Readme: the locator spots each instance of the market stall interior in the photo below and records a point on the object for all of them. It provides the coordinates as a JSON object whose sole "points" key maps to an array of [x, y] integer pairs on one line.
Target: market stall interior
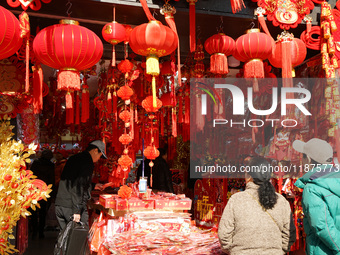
{"points": [[133, 74]]}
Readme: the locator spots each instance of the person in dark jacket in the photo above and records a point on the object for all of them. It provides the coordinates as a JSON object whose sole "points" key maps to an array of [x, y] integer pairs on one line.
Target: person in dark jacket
{"points": [[43, 168], [76, 184], [320, 197], [161, 174]]}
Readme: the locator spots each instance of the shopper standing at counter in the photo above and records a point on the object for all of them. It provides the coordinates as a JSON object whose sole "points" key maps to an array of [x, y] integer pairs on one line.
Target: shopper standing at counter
{"points": [[76, 184], [257, 220]]}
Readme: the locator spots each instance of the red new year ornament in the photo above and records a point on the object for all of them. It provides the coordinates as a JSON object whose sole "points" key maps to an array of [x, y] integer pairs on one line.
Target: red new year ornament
{"points": [[10, 40], [153, 40], [114, 33], [151, 152], [125, 116], [219, 46], [147, 104], [125, 162], [125, 139], [125, 92], [125, 66], [253, 48], [69, 48]]}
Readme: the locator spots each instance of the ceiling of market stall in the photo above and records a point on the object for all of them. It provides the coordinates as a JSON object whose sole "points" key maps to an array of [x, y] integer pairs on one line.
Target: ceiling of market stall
{"points": [[210, 15]]}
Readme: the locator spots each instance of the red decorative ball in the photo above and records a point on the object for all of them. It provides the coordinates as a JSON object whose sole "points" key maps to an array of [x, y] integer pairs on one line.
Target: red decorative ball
{"points": [[147, 104], [10, 40], [151, 152], [125, 139], [125, 92]]}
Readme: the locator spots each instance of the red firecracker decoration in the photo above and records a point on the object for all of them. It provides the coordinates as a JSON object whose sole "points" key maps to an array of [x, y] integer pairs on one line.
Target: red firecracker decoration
{"points": [[10, 40], [125, 139], [192, 22], [125, 92], [253, 48], [125, 162], [288, 48], [147, 104], [114, 33], [219, 46], [69, 48], [153, 40]]}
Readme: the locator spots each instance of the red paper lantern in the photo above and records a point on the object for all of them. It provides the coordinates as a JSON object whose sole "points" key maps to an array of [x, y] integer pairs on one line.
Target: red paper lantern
{"points": [[125, 192], [253, 48], [219, 46], [128, 30], [150, 152], [153, 40], [10, 40], [297, 49], [69, 48], [147, 104], [125, 139], [114, 33], [125, 92], [125, 116], [166, 99], [125, 66], [125, 162]]}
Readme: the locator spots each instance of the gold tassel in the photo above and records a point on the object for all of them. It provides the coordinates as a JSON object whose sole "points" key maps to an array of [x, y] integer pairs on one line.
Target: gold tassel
{"points": [[152, 65], [154, 102]]}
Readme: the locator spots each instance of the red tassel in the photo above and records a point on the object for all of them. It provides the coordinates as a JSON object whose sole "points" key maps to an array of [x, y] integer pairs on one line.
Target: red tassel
{"points": [[180, 109], [37, 89], [77, 122], [85, 104], [113, 63], [69, 103], [27, 79], [263, 24], [162, 123], [146, 10], [192, 17], [287, 66], [169, 18], [109, 103], [187, 110], [68, 80], [131, 122], [151, 177], [174, 123], [236, 5], [219, 63], [254, 69]]}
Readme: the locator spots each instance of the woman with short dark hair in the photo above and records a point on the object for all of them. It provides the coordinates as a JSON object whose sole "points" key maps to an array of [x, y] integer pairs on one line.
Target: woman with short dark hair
{"points": [[258, 220]]}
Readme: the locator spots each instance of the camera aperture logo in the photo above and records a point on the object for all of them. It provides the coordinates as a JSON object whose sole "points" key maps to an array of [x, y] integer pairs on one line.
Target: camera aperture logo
{"points": [[239, 101]]}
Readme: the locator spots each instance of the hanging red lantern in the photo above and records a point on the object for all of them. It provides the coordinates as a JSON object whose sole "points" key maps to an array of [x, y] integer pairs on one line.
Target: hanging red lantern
{"points": [[153, 40], [69, 48], [147, 104], [125, 139], [10, 39], [297, 50], [151, 153], [253, 48], [125, 116], [125, 162], [219, 46], [114, 33], [125, 92]]}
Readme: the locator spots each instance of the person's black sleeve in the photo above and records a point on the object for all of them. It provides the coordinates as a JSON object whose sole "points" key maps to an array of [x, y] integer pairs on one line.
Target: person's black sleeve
{"points": [[168, 176]]}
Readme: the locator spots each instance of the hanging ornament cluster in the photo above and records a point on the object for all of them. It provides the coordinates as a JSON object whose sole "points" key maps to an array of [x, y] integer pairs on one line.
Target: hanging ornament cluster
{"points": [[114, 33], [252, 48], [199, 57], [219, 46], [328, 28], [69, 48]]}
